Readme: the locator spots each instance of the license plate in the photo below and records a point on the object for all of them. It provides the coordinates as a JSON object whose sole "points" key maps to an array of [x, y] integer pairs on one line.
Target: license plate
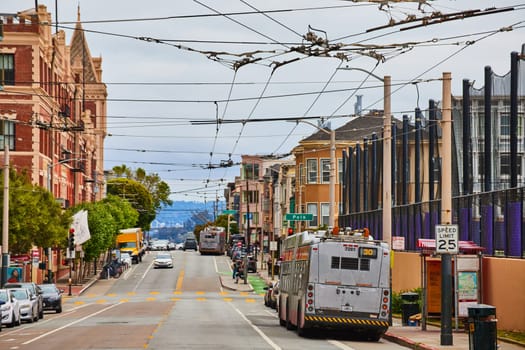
{"points": [[346, 308]]}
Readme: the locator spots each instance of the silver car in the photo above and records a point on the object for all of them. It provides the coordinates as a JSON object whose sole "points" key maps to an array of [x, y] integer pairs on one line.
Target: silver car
{"points": [[163, 260], [27, 303], [10, 309]]}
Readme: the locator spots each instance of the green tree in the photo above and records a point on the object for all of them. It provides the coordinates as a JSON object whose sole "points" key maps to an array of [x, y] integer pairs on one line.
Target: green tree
{"points": [[159, 190], [122, 211], [35, 218], [222, 221], [138, 196]]}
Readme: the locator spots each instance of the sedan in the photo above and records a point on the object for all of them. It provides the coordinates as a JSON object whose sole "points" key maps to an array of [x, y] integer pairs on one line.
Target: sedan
{"points": [[10, 310], [163, 260], [28, 304], [52, 297]]}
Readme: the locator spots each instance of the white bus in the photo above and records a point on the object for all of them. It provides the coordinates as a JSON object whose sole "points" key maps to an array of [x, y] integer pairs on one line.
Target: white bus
{"points": [[335, 282]]}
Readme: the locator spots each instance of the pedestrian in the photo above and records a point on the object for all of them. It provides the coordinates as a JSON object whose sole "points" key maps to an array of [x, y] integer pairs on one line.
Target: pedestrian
{"points": [[234, 268]]}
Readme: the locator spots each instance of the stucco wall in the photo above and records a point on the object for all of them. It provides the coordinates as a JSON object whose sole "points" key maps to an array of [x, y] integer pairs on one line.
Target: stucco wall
{"points": [[406, 271], [503, 285]]}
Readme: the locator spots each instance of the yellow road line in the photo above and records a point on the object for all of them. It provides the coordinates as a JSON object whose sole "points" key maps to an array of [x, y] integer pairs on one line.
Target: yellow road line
{"points": [[179, 281]]}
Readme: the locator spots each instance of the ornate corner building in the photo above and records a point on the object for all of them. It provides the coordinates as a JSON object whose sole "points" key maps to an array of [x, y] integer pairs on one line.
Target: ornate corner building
{"points": [[52, 106]]}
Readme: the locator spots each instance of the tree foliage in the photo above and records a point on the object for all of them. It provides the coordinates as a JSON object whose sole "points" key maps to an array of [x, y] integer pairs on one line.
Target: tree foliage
{"points": [[105, 219], [35, 217], [137, 195]]}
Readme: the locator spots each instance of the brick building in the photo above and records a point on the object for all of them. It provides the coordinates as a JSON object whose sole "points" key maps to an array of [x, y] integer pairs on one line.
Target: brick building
{"points": [[53, 106]]}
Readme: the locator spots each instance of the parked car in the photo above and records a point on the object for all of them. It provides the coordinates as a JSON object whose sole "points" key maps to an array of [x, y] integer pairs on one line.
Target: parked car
{"points": [[125, 259], [34, 289], [27, 302], [10, 309], [52, 297], [163, 260], [190, 243]]}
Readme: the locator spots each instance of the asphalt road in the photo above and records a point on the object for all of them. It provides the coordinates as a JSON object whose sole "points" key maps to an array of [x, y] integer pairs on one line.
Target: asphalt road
{"points": [[180, 308]]}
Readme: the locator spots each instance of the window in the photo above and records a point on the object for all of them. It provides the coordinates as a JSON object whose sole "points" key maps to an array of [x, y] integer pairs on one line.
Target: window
{"points": [[8, 129], [251, 171], [504, 125], [505, 164], [325, 214], [301, 174], [312, 209], [311, 170], [7, 69], [325, 170], [349, 263], [250, 197]]}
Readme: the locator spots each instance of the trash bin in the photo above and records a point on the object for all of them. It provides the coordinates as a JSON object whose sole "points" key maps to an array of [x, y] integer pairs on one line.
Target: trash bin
{"points": [[409, 307], [482, 330]]}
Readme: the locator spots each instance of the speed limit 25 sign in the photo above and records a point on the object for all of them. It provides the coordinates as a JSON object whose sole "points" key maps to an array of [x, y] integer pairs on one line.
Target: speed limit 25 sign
{"points": [[447, 239]]}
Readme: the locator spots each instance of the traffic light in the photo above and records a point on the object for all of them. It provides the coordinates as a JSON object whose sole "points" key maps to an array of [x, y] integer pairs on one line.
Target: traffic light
{"points": [[71, 240], [290, 231]]}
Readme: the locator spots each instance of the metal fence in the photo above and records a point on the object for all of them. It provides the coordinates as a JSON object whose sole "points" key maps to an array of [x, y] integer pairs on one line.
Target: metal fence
{"points": [[493, 220]]}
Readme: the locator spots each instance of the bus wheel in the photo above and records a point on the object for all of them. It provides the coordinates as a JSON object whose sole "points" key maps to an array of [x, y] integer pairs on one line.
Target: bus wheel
{"points": [[301, 331], [289, 324]]}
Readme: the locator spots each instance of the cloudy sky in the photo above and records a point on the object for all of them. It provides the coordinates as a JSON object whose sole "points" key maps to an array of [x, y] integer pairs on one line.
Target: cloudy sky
{"points": [[173, 68]]}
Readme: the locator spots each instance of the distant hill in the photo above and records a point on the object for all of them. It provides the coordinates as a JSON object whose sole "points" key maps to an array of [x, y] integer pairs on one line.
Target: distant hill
{"points": [[186, 214]]}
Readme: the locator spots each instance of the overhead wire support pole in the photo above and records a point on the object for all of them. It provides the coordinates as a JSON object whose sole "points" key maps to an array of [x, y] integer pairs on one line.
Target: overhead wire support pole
{"points": [[331, 192]]}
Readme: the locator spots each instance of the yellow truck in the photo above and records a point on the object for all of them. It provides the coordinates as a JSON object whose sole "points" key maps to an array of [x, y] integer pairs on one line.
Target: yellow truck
{"points": [[130, 241]]}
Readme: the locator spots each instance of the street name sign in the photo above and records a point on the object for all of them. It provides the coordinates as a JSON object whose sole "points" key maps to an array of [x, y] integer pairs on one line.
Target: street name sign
{"points": [[229, 212], [299, 217], [447, 239]]}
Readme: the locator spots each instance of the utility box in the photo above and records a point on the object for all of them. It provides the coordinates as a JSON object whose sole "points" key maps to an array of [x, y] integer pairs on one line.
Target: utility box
{"points": [[409, 307], [482, 330]]}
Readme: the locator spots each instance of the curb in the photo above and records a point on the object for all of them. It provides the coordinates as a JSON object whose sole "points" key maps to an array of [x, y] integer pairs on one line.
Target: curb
{"points": [[231, 288], [406, 342], [87, 285]]}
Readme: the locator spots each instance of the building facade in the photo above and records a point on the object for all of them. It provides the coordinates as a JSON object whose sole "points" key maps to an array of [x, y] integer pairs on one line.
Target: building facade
{"points": [[52, 106]]}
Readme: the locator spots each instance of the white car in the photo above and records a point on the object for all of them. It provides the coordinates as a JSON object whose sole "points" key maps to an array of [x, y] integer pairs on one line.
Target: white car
{"points": [[163, 260], [125, 258], [27, 303], [10, 309]]}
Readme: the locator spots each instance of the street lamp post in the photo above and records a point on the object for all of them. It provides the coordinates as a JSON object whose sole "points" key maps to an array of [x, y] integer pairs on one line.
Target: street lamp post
{"points": [[332, 170], [387, 153]]}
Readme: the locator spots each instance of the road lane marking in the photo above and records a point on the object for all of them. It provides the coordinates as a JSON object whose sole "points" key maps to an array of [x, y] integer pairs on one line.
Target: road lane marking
{"points": [[227, 299], [70, 324], [178, 288], [200, 293], [249, 300], [257, 329], [201, 299], [340, 345]]}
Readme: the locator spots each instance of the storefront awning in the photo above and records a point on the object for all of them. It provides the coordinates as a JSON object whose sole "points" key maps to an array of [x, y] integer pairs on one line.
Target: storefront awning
{"points": [[428, 246]]}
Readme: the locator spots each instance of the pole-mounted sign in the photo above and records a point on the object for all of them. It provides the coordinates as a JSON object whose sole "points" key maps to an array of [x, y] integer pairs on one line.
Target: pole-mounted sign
{"points": [[447, 239]]}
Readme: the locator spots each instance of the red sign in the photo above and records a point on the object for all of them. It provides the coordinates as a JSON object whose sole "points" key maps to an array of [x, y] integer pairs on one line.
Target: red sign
{"points": [[35, 253]]}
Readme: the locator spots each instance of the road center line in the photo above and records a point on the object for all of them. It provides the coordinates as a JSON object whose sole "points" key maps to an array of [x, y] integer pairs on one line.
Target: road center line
{"points": [[70, 324], [257, 329], [178, 288]]}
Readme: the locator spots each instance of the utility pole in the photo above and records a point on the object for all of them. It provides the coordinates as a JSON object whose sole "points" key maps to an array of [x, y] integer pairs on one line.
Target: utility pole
{"points": [[387, 162], [5, 222], [446, 212]]}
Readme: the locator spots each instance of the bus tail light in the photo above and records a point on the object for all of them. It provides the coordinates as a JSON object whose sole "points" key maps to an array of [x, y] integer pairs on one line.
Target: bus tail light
{"points": [[310, 298]]}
